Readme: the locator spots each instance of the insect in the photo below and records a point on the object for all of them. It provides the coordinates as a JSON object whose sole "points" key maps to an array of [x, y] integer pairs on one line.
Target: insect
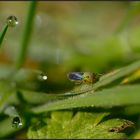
{"points": [[83, 77]]}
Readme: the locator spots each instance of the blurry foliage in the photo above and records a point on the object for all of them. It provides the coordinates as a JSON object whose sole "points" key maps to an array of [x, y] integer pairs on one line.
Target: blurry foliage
{"points": [[100, 37]]}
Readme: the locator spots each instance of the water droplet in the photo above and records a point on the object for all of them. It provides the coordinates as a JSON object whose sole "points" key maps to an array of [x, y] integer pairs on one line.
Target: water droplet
{"points": [[12, 21], [42, 77], [16, 122]]}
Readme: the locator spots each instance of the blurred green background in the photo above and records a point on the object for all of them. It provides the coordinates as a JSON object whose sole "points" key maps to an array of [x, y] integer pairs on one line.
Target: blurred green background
{"points": [[74, 36], [71, 36]]}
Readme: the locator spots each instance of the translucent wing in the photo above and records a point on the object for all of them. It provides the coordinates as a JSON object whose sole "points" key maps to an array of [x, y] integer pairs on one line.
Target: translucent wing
{"points": [[74, 76]]}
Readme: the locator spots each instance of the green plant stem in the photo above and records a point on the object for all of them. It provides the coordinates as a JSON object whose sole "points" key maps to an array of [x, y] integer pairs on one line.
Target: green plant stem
{"points": [[125, 21], [133, 10], [2, 34], [26, 35]]}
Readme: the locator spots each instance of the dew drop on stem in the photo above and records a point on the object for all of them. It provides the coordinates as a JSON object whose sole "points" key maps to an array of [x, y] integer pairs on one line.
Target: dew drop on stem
{"points": [[12, 21], [13, 114], [42, 77], [16, 122]]}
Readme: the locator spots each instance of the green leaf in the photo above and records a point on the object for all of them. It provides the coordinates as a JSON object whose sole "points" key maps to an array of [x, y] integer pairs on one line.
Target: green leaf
{"points": [[6, 127], [109, 79], [81, 125], [33, 97], [116, 75], [116, 96], [7, 94]]}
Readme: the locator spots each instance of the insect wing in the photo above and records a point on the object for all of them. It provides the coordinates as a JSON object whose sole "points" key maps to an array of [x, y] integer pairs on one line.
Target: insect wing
{"points": [[75, 76]]}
